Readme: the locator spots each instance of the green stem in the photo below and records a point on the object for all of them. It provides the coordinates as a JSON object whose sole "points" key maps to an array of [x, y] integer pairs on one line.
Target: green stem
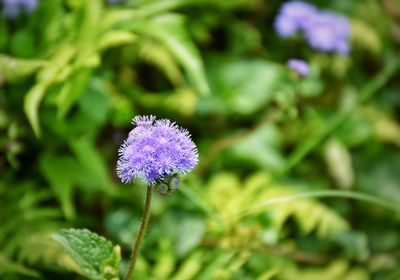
{"points": [[140, 235]]}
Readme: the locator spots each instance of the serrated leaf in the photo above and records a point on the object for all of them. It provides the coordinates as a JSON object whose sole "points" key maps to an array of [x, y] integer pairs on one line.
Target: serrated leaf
{"points": [[230, 198], [95, 255]]}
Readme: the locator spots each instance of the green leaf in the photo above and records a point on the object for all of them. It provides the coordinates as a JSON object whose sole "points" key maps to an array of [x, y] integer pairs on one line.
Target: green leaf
{"points": [[8, 266], [191, 266], [31, 105], [91, 159], [366, 36], [338, 269], [175, 37], [95, 101], [167, 260], [339, 162], [170, 30], [233, 199], [4, 33], [61, 173], [115, 38], [260, 148], [121, 109], [46, 77], [220, 259], [191, 232], [71, 91], [381, 176], [14, 68], [354, 243], [244, 86], [22, 43], [95, 255], [153, 53]]}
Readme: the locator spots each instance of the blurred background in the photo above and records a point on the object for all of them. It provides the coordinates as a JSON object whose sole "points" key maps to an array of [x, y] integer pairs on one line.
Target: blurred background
{"points": [[277, 146]]}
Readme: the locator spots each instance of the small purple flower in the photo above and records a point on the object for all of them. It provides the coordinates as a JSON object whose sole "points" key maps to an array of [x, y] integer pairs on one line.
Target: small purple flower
{"points": [[328, 32], [324, 31], [156, 151], [293, 17], [12, 8], [298, 65], [114, 2]]}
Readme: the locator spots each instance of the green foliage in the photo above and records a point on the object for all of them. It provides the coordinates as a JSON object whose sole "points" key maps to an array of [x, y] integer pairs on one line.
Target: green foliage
{"points": [[244, 87], [96, 256], [24, 238], [169, 30], [14, 68], [298, 176]]}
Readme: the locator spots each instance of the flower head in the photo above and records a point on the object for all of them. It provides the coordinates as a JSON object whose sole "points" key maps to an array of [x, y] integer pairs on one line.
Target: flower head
{"points": [[324, 31], [298, 65], [328, 32], [156, 151], [114, 2], [12, 8], [293, 17]]}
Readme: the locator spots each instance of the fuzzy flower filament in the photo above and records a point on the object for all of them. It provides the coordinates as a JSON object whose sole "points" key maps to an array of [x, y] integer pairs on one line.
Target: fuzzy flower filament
{"points": [[156, 151]]}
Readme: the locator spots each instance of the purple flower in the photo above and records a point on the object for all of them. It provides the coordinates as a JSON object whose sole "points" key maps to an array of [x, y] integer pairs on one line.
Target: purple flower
{"points": [[156, 151], [324, 31], [293, 17], [298, 65], [12, 8], [114, 2], [328, 32]]}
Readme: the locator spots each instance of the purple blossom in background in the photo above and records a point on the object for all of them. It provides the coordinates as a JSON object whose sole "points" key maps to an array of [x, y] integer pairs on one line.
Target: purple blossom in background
{"points": [[328, 32], [114, 2], [156, 150], [324, 31], [12, 8], [293, 17], [298, 65]]}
